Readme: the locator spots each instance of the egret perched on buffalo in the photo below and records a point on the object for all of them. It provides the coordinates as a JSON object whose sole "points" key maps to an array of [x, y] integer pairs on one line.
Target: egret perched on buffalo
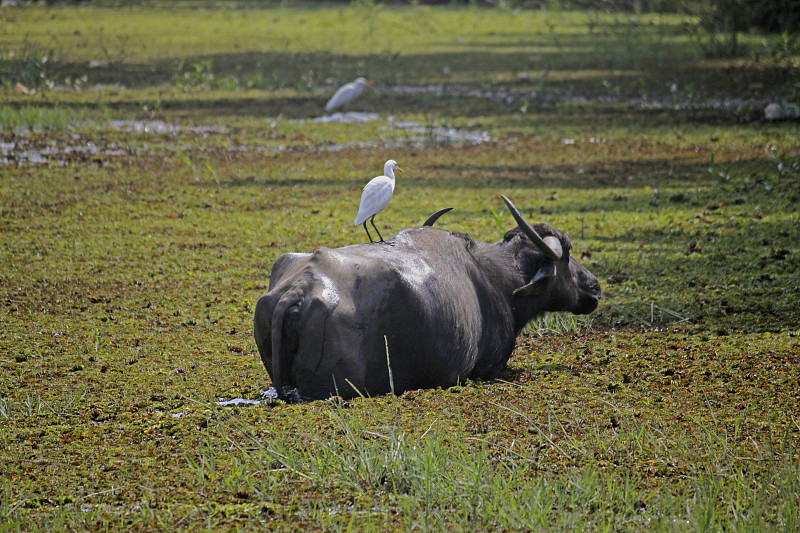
{"points": [[347, 93], [375, 198]]}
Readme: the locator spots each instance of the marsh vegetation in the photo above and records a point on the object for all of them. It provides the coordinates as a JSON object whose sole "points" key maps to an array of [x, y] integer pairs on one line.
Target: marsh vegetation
{"points": [[155, 160]]}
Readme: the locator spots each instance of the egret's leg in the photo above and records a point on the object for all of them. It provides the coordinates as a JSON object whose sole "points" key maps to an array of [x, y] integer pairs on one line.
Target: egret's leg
{"points": [[378, 232], [368, 235]]}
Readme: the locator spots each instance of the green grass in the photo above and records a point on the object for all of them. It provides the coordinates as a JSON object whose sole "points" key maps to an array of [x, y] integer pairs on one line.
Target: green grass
{"points": [[29, 118], [485, 484], [132, 258]]}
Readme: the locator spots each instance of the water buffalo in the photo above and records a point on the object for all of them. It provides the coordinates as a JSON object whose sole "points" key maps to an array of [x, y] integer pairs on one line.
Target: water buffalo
{"points": [[438, 305]]}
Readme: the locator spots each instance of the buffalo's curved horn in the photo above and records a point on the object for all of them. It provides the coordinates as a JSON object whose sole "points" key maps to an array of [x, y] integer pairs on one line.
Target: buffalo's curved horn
{"points": [[549, 245], [434, 217]]}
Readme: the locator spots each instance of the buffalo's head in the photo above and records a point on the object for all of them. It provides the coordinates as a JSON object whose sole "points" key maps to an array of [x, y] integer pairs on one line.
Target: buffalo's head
{"points": [[552, 280]]}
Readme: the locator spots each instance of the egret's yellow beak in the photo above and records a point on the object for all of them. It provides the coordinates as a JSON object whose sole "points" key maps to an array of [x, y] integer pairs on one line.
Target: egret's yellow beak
{"points": [[400, 169]]}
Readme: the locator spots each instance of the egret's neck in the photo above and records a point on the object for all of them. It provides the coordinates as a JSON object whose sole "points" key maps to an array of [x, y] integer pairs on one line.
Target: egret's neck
{"points": [[389, 173]]}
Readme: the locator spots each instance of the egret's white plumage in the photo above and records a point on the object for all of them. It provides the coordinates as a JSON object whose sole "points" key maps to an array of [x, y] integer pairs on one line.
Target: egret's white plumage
{"points": [[376, 196], [347, 93]]}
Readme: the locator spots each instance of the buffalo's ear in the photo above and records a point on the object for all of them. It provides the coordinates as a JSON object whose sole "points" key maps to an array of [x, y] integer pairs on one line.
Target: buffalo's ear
{"points": [[537, 285]]}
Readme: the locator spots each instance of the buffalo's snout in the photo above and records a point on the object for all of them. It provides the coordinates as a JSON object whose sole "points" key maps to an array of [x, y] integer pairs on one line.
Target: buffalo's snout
{"points": [[588, 289]]}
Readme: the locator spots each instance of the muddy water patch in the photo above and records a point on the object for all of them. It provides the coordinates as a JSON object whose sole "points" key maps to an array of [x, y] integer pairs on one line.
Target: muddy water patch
{"points": [[38, 151]]}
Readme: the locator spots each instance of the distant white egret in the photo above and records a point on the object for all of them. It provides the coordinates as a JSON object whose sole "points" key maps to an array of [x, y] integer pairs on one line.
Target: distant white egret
{"points": [[347, 93], [375, 198]]}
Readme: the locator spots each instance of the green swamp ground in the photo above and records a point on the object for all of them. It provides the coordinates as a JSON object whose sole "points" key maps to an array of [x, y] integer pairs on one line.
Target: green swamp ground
{"points": [[157, 159]]}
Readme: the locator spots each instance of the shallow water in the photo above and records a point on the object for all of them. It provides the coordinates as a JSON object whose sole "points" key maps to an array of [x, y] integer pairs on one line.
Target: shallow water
{"points": [[679, 98], [238, 402], [397, 134], [267, 397], [159, 126], [33, 153], [415, 133], [36, 150], [351, 117], [402, 133]]}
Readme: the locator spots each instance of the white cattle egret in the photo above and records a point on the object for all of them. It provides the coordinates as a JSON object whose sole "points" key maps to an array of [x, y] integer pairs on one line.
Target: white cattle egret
{"points": [[376, 196], [347, 93]]}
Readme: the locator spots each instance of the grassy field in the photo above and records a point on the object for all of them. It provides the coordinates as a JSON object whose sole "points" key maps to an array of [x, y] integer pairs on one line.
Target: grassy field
{"points": [[156, 160]]}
